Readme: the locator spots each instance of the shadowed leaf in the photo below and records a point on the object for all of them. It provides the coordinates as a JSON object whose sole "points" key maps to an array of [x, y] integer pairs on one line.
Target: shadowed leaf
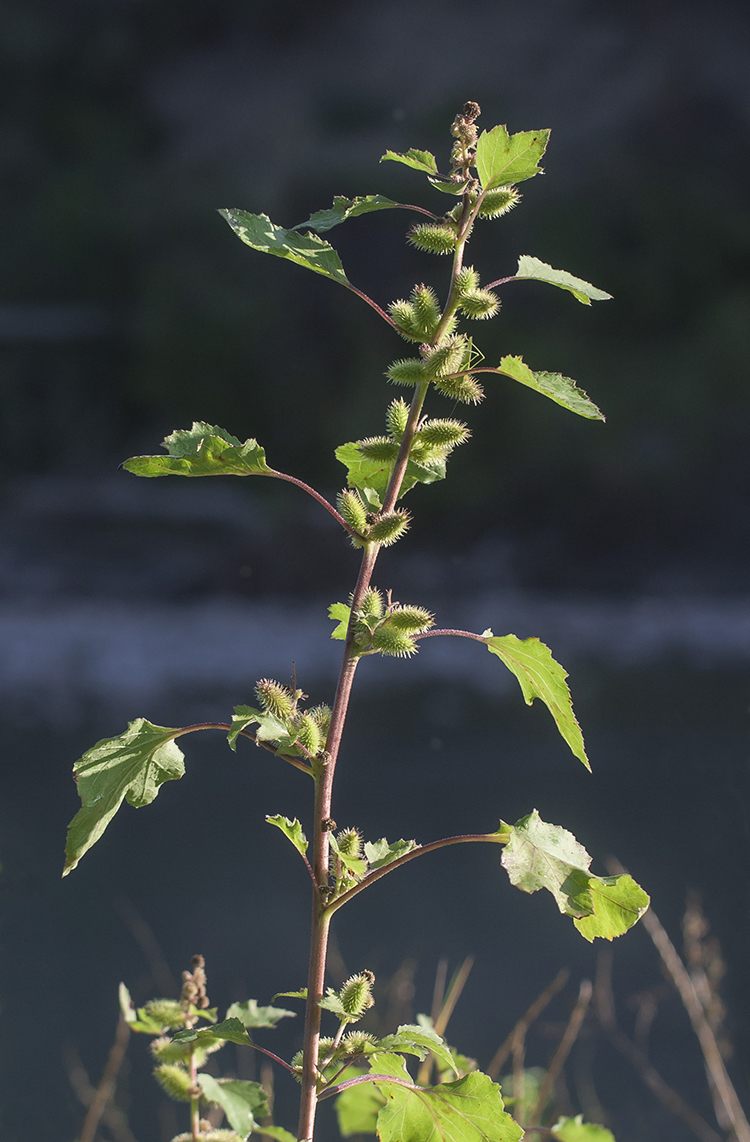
{"points": [[419, 160], [241, 1101], [576, 1130], [344, 208], [250, 1015]]}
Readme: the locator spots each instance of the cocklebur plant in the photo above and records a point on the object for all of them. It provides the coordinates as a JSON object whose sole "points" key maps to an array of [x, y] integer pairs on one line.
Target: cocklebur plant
{"points": [[443, 361]]}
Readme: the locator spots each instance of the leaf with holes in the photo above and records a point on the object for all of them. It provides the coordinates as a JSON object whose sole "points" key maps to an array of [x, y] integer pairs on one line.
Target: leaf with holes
{"points": [[203, 450], [251, 1015], [504, 160], [419, 160], [380, 853], [367, 474], [241, 1101], [292, 830]]}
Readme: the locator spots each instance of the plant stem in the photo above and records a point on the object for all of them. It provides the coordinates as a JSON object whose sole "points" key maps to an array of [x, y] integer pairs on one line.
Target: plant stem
{"points": [[316, 496], [324, 772], [195, 1103]]}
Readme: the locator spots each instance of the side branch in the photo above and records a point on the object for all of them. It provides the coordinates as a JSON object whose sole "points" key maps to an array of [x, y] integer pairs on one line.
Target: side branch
{"points": [[246, 734], [371, 1078], [459, 633], [316, 496], [374, 305], [490, 838]]}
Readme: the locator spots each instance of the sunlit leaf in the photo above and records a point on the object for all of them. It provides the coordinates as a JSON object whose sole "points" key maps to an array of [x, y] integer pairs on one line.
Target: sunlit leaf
{"points": [[357, 1107], [380, 853], [301, 994], [292, 830], [447, 185], [365, 473], [277, 1132], [241, 1101], [308, 250], [344, 208], [231, 1030], [542, 677], [203, 450], [132, 766], [503, 159], [250, 1015], [470, 1109], [414, 1040], [576, 1130], [562, 390], [419, 160], [339, 613], [270, 728], [584, 292], [540, 855]]}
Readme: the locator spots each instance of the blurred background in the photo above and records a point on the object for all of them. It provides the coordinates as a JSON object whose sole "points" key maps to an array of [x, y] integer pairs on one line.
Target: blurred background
{"points": [[128, 309]]}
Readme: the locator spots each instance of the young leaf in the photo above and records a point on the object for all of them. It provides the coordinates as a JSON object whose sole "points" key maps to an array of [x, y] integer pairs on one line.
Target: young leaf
{"points": [[241, 1101], [355, 864], [584, 292], [301, 994], [540, 855], [308, 250], [380, 853], [503, 159], [339, 613], [293, 831], [419, 160], [230, 1031], [541, 677], [576, 1130], [133, 766], [562, 390], [357, 1107], [270, 728], [413, 1040], [470, 1109], [375, 475], [344, 208], [250, 1015], [447, 185], [203, 450]]}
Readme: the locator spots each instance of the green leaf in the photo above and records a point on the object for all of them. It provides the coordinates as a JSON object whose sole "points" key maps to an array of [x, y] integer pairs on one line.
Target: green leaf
{"points": [[380, 853], [540, 855], [277, 1132], [270, 728], [332, 1002], [301, 994], [356, 865], [618, 904], [339, 613], [357, 1107], [127, 1007], [447, 185], [308, 250], [293, 831], [231, 1030], [503, 159], [419, 160], [541, 677], [562, 390], [241, 1101], [583, 291], [366, 474], [470, 1109], [133, 766], [203, 450], [413, 1040], [250, 1015], [576, 1130], [344, 208]]}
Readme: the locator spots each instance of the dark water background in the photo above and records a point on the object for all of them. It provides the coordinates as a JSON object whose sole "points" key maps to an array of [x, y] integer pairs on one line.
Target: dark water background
{"points": [[127, 309]]}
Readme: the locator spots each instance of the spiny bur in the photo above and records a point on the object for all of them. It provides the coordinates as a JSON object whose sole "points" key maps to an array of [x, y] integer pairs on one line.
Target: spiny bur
{"points": [[466, 390], [467, 279], [443, 433], [356, 1042], [413, 620], [321, 715], [308, 733], [378, 448], [275, 698], [353, 510], [397, 418], [355, 995], [389, 528], [433, 238], [372, 605], [174, 1081], [394, 643], [498, 202], [426, 310], [410, 371], [350, 842], [448, 357], [168, 1013], [480, 304]]}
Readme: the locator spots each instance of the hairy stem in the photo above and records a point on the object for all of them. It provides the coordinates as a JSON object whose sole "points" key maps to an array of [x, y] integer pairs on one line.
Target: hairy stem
{"points": [[316, 496], [245, 734], [195, 1103]]}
